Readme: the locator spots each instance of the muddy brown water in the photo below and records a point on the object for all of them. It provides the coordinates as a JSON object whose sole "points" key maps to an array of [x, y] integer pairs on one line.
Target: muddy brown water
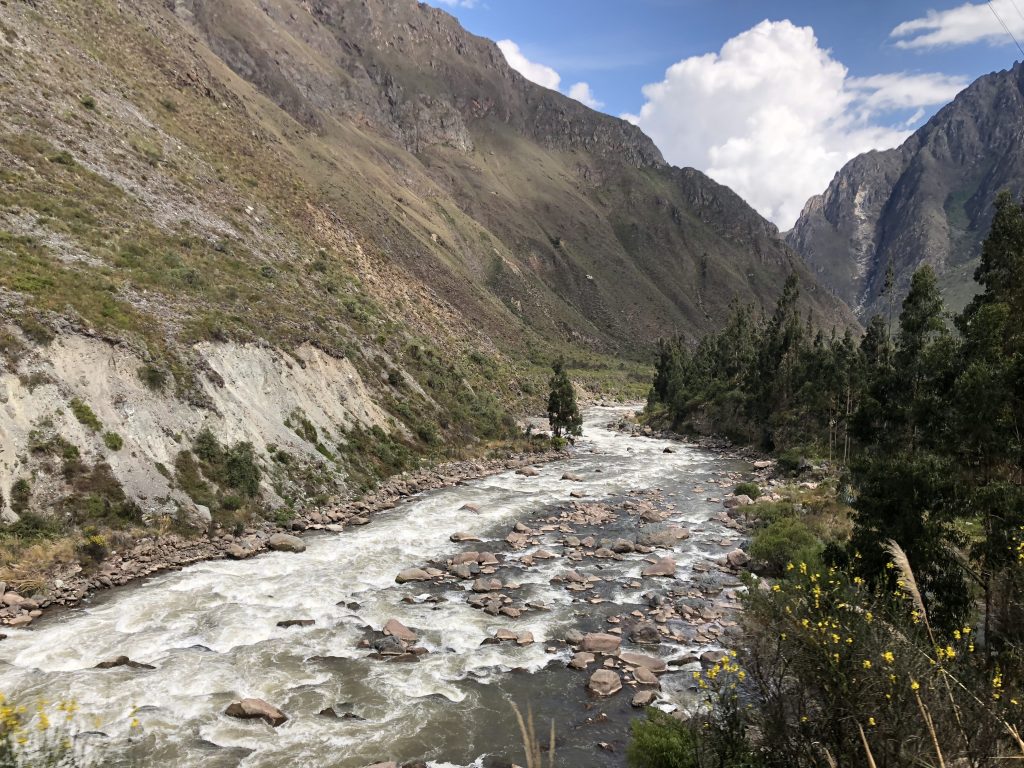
{"points": [[211, 633]]}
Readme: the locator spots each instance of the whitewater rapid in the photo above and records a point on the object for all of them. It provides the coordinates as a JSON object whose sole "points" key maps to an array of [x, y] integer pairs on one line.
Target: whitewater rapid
{"points": [[211, 632]]}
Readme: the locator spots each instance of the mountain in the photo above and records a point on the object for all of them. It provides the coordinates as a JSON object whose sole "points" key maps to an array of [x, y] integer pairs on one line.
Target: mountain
{"points": [[929, 201], [300, 221]]}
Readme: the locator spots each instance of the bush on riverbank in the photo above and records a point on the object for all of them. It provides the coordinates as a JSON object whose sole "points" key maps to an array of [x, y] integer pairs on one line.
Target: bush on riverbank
{"points": [[836, 674]]}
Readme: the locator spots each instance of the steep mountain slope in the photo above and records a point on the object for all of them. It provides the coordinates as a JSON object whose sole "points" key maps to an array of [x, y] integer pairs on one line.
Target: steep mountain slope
{"points": [[222, 192], [928, 201]]}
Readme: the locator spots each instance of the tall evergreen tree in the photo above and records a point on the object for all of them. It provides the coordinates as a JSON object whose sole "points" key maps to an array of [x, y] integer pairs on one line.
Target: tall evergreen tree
{"points": [[563, 413], [989, 408]]}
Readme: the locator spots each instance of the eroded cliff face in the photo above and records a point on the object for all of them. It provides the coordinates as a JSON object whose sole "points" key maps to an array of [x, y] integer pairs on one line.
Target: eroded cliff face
{"points": [[296, 404], [927, 202]]}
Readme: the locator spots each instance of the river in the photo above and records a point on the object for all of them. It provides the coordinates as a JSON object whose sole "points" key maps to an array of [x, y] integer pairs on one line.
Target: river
{"points": [[211, 631]]}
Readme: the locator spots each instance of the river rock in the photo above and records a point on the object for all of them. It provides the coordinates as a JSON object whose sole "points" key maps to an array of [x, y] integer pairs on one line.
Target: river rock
{"points": [[123, 661], [470, 507], [666, 538], [395, 628], [12, 599], [644, 676], [284, 542], [296, 623], [412, 574], [605, 682], [737, 501], [572, 477], [487, 585], [466, 557], [527, 472], [390, 646], [643, 698], [644, 633], [652, 663], [582, 660], [710, 658], [573, 637], [461, 536], [600, 642], [249, 709], [666, 566], [737, 558]]}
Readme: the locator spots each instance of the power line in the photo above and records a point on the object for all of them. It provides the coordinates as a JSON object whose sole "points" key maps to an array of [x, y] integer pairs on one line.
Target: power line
{"points": [[1017, 8], [1003, 23]]}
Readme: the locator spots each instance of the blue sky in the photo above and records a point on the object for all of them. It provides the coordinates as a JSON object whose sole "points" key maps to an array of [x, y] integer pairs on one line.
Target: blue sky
{"points": [[772, 109]]}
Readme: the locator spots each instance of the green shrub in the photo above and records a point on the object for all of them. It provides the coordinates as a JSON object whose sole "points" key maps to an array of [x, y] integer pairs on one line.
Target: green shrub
{"points": [[241, 471], [748, 489], [787, 540], [88, 102], [662, 741], [790, 462], [153, 377], [21, 495], [113, 441], [85, 415], [208, 448]]}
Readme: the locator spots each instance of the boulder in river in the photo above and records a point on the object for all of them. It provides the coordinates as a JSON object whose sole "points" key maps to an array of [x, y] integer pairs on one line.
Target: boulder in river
{"points": [[582, 660], [250, 709], [527, 472], [395, 628], [652, 663], [600, 642], [123, 661], [460, 536], [487, 585], [643, 698], [412, 574], [572, 477], [665, 566], [605, 682], [296, 623], [284, 542], [644, 633], [666, 538]]}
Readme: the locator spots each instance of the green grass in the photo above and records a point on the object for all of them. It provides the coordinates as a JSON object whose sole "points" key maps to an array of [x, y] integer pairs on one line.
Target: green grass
{"points": [[85, 415]]}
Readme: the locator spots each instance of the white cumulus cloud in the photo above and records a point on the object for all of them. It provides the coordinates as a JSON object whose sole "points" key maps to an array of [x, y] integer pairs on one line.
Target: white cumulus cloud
{"points": [[582, 93], [545, 75], [531, 70], [967, 23], [773, 116]]}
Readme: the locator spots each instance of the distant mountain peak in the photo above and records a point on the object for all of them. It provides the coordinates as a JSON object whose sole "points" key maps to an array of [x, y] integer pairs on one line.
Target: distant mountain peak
{"points": [[927, 201]]}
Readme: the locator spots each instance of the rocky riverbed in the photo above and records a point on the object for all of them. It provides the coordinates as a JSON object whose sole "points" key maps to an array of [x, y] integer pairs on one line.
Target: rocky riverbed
{"points": [[585, 588]]}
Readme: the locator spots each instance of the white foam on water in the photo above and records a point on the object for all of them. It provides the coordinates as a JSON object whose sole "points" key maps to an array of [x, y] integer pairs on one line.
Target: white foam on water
{"points": [[232, 608]]}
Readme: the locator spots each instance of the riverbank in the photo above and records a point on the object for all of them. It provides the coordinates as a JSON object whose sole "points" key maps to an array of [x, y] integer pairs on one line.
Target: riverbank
{"points": [[70, 584]]}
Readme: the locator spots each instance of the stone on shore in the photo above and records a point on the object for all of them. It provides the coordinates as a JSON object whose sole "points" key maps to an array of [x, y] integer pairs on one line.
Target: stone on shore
{"points": [[643, 698], [412, 574], [250, 709], [283, 542]]}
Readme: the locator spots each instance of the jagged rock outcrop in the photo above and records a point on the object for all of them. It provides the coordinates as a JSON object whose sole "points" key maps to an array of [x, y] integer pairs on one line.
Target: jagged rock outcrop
{"points": [[928, 201]]}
